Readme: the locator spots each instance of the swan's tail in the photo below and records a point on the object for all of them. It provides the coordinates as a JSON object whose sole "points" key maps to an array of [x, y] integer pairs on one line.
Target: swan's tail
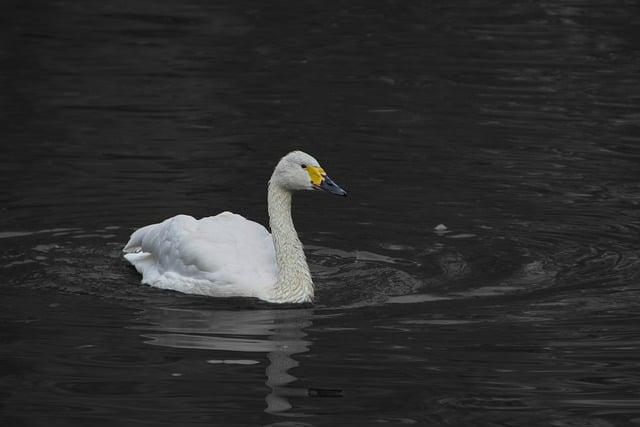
{"points": [[135, 241], [141, 260]]}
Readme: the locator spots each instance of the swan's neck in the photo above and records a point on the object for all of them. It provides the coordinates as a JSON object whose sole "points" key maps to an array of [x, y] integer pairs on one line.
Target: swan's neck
{"points": [[294, 279]]}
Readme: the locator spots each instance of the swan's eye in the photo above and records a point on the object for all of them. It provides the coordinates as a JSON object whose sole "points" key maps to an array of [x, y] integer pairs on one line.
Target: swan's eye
{"points": [[303, 166]]}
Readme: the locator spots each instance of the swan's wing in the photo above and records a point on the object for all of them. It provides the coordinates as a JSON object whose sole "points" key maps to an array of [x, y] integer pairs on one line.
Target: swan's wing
{"points": [[226, 253]]}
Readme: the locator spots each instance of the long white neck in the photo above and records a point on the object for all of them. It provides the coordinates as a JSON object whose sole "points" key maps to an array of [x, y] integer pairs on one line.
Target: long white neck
{"points": [[294, 282]]}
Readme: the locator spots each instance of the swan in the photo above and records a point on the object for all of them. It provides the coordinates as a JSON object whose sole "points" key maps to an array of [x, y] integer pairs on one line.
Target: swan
{"points": [[227, 255]]}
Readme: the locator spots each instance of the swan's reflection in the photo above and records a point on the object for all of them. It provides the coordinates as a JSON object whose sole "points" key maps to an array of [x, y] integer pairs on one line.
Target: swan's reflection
{"points": [[239, 331]]}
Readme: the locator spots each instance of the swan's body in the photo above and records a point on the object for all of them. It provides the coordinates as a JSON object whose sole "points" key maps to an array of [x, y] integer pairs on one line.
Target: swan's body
{"points": [[227, 255], [222, 255]]}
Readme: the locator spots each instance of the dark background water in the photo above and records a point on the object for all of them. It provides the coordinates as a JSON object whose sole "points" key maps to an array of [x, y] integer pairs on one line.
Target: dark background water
{"points": [[515, 124]]}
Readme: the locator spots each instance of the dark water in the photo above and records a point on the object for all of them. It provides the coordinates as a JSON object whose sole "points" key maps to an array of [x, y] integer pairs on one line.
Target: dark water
{"points": [[514, 124]]}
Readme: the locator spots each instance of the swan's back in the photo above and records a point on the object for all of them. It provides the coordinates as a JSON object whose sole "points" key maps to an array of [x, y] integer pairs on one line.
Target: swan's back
{"points": [[222, 255]]}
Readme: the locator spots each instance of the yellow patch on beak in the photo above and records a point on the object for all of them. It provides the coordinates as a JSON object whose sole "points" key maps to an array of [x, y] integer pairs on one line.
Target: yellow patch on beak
{"points": [[316, 174]]}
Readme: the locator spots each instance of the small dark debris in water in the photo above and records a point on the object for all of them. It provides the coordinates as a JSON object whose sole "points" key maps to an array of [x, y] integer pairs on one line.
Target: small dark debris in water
{"points": [[325, 392]]}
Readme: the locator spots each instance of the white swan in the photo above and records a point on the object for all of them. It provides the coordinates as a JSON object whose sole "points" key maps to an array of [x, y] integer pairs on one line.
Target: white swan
{"points": [[227, 255]]}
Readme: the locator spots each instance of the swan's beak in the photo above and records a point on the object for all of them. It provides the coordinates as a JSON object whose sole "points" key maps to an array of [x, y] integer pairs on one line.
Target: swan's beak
{"points": [[321, 181], [331, 187]]}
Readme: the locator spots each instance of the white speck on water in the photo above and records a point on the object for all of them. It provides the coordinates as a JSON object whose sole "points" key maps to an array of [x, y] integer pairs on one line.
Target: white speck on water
{"points": [[176, 374], [441, 229]]}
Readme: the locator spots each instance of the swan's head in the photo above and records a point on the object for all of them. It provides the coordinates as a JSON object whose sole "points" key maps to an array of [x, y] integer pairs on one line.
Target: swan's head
{"points": [[300, 171]]}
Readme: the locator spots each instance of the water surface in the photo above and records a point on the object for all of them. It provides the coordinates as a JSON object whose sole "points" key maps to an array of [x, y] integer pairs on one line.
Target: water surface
{"points": [[483, 270]]}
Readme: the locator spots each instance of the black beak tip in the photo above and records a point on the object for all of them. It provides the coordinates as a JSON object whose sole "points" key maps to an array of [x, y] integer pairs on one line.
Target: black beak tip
{"points": [[331, 187]]}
